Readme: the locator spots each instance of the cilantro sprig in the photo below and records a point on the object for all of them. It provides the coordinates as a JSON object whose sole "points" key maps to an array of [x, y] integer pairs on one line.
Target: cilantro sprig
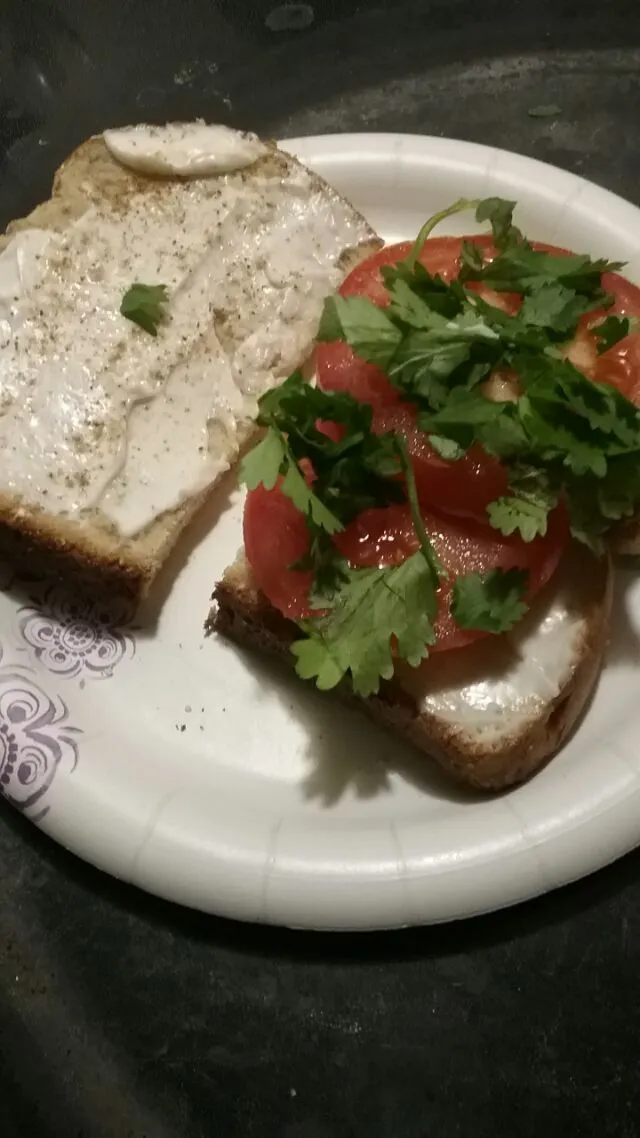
{"points": [[367, 617], [439, 342], [145, 305], [492, 601], [561, 437], [375, 612]]}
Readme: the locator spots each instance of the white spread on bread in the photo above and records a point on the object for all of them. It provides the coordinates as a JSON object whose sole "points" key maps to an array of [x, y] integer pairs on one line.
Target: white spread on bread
{"points": [[194, 150], [95, 413], [20, 268], [497, 685]]}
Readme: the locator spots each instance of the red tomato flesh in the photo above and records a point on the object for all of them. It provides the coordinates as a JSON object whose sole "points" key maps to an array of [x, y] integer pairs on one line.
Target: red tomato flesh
{"points": [[275, 535]]}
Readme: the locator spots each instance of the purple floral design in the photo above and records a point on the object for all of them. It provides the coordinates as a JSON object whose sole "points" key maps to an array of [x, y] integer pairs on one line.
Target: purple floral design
{"points": [[72, 636], [35, 741]]}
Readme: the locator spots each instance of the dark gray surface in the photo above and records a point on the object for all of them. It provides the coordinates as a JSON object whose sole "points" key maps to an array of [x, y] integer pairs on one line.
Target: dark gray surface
{"points": [[122, 1016]]}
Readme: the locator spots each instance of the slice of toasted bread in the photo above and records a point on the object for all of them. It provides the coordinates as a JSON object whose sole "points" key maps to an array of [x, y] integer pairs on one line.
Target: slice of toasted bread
{"points": [[86, 541], [491, 714]]}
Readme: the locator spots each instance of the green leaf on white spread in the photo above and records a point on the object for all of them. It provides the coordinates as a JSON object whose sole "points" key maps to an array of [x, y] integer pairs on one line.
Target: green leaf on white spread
{"points": [[373, 611], [499, 212], [145, 305], [610, 331], [492, 602], [361, 324], [545, 111]]}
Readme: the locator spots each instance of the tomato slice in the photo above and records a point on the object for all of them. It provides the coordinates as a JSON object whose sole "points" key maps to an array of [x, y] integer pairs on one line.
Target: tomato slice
{"points": [[465, 487], [337, 368], [275, 535], [386, 537]]}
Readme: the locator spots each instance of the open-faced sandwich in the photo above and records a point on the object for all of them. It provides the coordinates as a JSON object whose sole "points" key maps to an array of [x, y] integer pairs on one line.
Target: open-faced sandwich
{"points": [[427, 528], [175, 275], [428, 525]]}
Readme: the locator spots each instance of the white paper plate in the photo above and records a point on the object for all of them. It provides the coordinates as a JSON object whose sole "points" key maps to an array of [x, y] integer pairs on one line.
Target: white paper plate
{"points": [[212, 779]]}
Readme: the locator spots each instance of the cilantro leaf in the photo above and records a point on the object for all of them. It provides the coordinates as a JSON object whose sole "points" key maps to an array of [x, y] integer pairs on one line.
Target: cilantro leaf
{"points": [[329, 568], [409, 307], [610, 331], [262, 464], [471, 257], [523, 515], [427, 357], [499, 212], [330, 475], [361, 324], [145, 305], [490, 601], [448, 449], [295, 486], [555, 307], [259, 468], [468, 416], [519, 268], [537, 491], [561, 401], [445, 299], [375, 610], [595, 503]]}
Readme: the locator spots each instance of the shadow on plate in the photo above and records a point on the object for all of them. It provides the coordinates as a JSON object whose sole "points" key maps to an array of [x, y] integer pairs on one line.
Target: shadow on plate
{"points": [[346, 753]]}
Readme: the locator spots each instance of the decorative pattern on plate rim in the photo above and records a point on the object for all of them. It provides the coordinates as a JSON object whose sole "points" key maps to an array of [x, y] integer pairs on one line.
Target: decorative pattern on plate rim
{"points": [[36, 739], [75, 636]]}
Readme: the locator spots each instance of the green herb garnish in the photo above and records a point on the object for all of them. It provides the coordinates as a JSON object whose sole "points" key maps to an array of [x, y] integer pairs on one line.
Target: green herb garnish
{"points": [[490, 601], [561, 437], [145, 305]]}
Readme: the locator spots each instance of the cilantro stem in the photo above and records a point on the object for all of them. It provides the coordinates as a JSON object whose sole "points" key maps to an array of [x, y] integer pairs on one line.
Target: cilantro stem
{"points": [[428, 552], [428, 227]]}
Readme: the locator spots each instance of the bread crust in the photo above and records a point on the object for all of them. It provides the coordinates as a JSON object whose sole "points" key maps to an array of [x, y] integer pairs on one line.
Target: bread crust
{"points": [[243, 614]]}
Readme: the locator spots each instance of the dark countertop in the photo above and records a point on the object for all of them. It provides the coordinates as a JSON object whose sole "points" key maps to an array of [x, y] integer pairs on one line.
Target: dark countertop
{"points": [[123, 1017]]}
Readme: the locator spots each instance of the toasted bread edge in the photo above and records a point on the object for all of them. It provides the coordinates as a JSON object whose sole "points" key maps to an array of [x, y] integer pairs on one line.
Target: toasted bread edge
{"points": [[241, 613]]}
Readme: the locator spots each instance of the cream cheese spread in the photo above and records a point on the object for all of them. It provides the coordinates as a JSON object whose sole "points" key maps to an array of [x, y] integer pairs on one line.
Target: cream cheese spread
{"points": [[98, 415], [189, 149], [508, 680]]}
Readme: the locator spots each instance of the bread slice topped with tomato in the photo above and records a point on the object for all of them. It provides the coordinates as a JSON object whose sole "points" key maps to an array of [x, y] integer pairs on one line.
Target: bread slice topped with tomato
{"points": [[427, 527]]}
